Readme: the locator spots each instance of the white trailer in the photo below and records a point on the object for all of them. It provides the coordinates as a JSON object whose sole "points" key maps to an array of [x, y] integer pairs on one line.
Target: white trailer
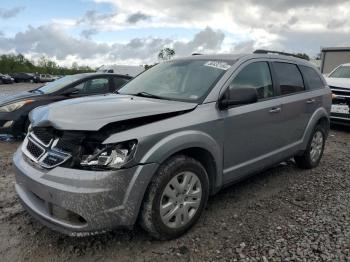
{"points": [[332, 57], [122, 69]]}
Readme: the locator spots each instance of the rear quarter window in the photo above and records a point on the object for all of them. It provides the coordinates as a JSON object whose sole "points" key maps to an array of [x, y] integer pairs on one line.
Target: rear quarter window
{"points": [[312, 78], [289, 78]]}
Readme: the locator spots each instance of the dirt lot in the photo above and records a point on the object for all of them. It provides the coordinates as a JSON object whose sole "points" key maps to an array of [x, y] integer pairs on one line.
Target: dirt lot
{"points": [[284, 214], [6, 90]]}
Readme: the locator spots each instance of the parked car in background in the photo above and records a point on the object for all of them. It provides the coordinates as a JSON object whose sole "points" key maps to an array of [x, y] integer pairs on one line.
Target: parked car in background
{"points": [[6, 79], [122, 69], [23, 77], [339, 82], [43, 78], [14, 109], [169, 139]]}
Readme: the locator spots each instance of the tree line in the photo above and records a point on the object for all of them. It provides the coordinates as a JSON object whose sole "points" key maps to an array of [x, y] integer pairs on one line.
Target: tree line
{"points": [[18, 63], [12, 63]]}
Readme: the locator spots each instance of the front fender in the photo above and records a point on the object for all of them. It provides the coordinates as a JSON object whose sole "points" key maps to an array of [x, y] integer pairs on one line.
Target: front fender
{"points": [[179, 141]]}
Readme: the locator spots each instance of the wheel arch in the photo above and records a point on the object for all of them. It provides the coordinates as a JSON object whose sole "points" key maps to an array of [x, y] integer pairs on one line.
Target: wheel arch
{"points": [[321, 117], [195, 144]]}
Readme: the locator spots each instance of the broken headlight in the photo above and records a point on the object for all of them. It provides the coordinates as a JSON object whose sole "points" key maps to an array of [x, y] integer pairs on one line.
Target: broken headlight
{"points": [[110, 156]]}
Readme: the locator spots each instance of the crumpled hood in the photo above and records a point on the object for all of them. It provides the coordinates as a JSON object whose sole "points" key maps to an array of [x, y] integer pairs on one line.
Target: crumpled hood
{"points": [[17, 97], [338, 82], [94, 112]]}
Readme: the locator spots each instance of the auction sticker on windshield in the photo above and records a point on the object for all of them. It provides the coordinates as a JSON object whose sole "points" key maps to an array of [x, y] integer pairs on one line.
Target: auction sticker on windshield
{"points": [[218, 64]]}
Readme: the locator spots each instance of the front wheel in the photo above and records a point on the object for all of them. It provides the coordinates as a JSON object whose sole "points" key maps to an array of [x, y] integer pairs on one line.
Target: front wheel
{"points": [[175, 198], [311, 157]]}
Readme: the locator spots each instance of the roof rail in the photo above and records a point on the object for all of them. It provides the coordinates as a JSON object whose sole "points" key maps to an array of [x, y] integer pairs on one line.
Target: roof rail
{"points": [[262, 51], [197, 54]]}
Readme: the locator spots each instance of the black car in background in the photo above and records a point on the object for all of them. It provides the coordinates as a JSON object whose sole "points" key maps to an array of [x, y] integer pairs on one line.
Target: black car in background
{"points": [[23, 77], [6, 79], [14, 109]]}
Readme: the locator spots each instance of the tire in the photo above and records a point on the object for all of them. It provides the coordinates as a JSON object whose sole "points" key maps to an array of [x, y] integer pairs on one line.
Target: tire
{"points": [[186, 215], [308, 160]]}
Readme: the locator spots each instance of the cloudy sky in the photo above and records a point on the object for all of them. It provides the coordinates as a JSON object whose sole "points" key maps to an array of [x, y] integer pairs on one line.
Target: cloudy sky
{"points": [[96, 32]]}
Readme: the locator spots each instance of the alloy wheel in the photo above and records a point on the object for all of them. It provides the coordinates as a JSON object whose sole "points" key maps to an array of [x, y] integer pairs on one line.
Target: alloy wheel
{"points": [[316, 146]]}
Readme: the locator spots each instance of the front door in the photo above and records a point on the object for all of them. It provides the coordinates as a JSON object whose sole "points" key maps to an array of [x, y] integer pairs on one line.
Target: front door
{"points": [[253, 134]]}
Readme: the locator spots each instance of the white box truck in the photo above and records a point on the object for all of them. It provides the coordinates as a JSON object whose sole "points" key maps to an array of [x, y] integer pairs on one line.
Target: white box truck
{"points": [[332, 57]]}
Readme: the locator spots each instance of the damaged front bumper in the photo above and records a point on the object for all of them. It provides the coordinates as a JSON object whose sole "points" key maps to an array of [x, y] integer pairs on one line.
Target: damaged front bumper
{"points": [[80, 202]]}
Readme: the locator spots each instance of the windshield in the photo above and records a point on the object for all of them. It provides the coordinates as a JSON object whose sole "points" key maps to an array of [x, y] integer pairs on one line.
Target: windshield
{"points": [[56, 85], [341, 72], [182, 80]]}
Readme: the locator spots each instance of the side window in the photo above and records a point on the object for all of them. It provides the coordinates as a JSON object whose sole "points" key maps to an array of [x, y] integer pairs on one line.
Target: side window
{"points": [[94, 86], [312, 78], [290, 78], [256, 75], [118, 82]]}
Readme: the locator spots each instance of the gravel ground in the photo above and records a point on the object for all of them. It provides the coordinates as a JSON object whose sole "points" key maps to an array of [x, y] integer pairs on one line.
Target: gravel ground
{"points": [[10, 89], [283, 214]]}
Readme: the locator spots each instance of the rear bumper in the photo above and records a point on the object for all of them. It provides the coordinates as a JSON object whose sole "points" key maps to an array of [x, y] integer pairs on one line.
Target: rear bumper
{"points": [[79, 202]]}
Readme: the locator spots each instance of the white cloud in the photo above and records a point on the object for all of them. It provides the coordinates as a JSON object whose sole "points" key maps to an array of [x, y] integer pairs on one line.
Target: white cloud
{"points": [[267, 23], [224, 26], [52, 41]]}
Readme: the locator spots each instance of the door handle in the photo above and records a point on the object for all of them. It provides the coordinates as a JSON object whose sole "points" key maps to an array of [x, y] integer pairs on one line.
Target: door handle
{"points": [[275, 110], [310, 101]]}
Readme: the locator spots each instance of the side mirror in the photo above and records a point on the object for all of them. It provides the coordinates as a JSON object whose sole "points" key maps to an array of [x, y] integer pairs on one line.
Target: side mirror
{"points": [[239, 96]]}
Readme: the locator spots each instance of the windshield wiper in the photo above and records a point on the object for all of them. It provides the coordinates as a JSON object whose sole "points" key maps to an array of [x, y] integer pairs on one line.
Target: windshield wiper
{"points": [[145, 94]]}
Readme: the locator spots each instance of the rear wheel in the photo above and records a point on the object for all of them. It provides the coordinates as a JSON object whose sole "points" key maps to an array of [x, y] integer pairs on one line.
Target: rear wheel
{"points": [[175, 198], [311, 157]]}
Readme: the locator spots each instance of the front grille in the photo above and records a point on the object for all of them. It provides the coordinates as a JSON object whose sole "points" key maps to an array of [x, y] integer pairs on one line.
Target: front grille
{"points": [[52, 160], [65, 145], [34, 149], [43, 134], [339, 91], [45, 153]]}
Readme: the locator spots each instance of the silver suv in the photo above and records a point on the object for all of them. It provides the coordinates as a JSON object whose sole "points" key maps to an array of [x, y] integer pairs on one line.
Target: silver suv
{"points": [[169, 139]]}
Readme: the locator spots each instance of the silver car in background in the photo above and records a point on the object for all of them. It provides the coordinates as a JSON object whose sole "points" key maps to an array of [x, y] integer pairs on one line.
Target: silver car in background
{"points": [[169, 139]]}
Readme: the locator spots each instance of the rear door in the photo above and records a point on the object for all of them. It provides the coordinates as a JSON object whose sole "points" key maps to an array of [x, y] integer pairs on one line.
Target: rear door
{"points": [[298, 104]]}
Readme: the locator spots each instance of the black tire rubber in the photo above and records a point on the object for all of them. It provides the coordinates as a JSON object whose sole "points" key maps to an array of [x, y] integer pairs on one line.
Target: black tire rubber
{"points": [[304, 160], [150, 218]]}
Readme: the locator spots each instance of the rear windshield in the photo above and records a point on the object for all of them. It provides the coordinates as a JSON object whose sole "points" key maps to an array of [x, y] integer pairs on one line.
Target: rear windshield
{"points": [[182, 80]]}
